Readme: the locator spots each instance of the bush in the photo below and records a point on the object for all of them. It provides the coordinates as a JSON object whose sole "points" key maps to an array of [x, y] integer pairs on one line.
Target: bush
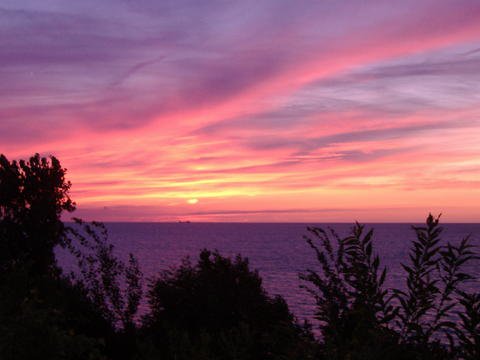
{"points": [[353, 307], [218, 309], [360, 319], [42, 317]]}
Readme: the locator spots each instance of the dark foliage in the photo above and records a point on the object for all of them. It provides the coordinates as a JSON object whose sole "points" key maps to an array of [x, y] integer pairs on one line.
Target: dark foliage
{"points": [[218, 309], [33, 195], [434, 277], [101, 274], [468, 332], [43, 315], [360, 319], [46, 318], [111, 286], [353, 308]]}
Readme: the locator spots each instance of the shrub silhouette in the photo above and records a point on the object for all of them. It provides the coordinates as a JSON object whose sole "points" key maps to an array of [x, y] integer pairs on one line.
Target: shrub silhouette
{"points": [[111, 286], [101, 274], [360, 319], [219, 309], [47, 318], [434, 277], [468, 331], [353, 307]]}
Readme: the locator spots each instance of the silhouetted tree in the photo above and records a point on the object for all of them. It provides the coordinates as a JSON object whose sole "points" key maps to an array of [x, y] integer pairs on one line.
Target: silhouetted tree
{"points": [[218, 309], [33, 195], [43, 315]]}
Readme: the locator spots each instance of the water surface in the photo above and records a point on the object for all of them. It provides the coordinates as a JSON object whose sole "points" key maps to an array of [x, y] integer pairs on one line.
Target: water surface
{"points": [[277, 250]]}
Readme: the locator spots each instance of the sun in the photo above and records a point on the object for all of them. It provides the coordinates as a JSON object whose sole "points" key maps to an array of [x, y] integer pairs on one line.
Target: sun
{"points": [[192, 201]]}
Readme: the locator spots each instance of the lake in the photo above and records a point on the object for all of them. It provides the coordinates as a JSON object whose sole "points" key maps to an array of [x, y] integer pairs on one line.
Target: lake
{"points": [[277, 250]]}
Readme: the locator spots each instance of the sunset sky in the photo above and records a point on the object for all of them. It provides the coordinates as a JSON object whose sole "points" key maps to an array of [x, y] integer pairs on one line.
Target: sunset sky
{"points": [[249, 110]]}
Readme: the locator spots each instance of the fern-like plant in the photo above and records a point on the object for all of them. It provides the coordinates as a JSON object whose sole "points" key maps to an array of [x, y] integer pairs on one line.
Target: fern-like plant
{"points": [[468, 330], [435, 275], [360, 319], [353, 308]]}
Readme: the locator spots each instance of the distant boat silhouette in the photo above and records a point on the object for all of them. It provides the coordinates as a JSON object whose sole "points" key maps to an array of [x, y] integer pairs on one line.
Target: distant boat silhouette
{"points": [[184, 221]]}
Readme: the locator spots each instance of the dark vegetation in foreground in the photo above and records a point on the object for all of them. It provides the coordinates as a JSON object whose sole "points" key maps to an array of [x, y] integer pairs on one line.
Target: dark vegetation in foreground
{"points": [[216, 308]]}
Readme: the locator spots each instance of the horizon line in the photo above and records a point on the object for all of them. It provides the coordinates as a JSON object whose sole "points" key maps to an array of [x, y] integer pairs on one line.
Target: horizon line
{"points": [[184, 222]]}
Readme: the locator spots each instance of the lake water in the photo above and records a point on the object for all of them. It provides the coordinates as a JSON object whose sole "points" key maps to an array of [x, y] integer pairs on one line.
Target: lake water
{"points": [[278, 250]]}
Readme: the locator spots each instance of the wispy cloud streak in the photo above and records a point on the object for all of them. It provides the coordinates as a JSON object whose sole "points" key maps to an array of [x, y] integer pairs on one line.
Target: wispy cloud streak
{"points": [[311, 109]]}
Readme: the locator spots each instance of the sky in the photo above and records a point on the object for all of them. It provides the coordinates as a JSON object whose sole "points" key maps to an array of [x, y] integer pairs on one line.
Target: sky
{"points": [[259, 111]]}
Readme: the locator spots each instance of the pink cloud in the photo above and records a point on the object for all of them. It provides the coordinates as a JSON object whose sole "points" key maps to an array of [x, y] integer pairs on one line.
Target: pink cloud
{"points": [[314, 119]]}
